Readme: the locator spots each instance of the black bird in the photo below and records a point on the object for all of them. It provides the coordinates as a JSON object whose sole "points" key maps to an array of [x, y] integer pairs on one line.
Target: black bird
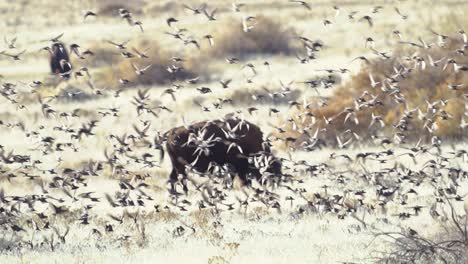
{"points": [[368, 19], [88, 14]]}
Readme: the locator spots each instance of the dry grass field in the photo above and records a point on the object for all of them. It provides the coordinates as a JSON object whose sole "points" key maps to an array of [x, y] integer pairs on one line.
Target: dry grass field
{"points": [[363, 102]]}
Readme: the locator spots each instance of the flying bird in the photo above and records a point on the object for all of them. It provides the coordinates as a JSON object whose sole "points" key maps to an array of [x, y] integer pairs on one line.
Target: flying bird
{"points": [[140, 71], [87, 14], [302, 3]]}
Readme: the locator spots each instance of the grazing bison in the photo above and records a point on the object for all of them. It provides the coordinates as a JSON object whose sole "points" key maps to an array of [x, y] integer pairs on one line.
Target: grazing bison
{"points": [[59, 59], [230, 141]]}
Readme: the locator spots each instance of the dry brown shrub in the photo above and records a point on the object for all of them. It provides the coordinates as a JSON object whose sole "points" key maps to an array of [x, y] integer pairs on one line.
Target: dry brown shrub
{"points": [[159, 59], [267, 37], [418, 88], [111, 7], [158, 7], [244, 97], [104, 56]]}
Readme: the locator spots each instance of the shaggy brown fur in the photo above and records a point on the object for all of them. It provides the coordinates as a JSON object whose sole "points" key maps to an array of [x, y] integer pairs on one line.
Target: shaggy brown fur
{"points": [[251, 142]]}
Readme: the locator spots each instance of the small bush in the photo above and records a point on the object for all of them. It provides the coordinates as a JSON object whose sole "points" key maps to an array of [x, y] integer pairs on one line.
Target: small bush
{"points": [[267, 37], [104, 56], [111, 7], [159, 59], [244, 97], [158, 7], [448, 245]]}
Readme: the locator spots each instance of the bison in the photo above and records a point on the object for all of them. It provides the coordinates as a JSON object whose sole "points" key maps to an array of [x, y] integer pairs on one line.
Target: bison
{"points": [[59, 59], [230, 141]]}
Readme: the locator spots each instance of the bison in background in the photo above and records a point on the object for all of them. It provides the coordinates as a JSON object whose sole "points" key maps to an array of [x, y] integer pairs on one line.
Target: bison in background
{"points": [[59, 60], [230, 141]]}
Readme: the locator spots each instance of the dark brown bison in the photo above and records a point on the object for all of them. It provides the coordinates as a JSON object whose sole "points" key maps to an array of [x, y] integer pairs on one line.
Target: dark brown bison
{"points": [[59, 59], [230, 141]]}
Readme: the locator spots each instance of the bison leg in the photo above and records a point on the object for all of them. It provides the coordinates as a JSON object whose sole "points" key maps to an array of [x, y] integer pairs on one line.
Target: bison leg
{"points": [[245, 178], [184, 185], [247, 172], [174, 178]]}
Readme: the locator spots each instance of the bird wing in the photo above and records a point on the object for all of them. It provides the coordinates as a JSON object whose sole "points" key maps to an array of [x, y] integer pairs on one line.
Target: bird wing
{"points": [[137, 51], [111, 42], [57, 37], [147, 67], [188, 7], [214, 12]]}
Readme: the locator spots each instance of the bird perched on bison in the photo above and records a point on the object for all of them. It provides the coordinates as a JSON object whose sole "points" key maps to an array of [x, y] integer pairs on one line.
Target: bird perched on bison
{"points": [[231, 140], [59, 60]]}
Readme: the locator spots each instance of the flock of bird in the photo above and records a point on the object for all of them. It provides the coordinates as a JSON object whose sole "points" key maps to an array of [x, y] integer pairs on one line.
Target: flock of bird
{"points": [[386, 182]]}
